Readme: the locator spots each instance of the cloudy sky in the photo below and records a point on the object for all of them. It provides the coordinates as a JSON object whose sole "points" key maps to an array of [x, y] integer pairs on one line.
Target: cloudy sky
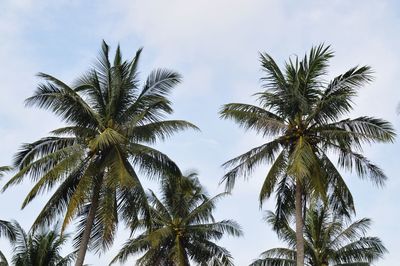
{"points": [[214, 45]]}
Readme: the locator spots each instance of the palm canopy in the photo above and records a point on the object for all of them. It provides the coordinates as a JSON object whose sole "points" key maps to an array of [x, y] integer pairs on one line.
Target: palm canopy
{"points": [[183, 228], [41, 248], [93, 161], [329, 240], [302, 115]]}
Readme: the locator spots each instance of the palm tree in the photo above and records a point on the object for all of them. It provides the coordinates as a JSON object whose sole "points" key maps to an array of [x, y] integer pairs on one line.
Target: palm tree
{"points": [[35, 249], [93, 161], [302, 114], [183, 228], [329, 240]]}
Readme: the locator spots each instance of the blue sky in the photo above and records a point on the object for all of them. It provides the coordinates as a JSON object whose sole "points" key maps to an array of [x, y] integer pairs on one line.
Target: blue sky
{"points": [[214, 45]]}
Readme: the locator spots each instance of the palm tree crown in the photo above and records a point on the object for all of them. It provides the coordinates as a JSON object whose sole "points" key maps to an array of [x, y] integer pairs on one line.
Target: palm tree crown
{"points": [[183, 228], [93, 161], [302, 113], [41, 248], [329, 240]]}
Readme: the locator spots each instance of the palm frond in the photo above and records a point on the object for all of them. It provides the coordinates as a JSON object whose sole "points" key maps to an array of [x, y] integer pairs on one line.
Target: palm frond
{"points": [[7, 230], [336, 100], [49, 179], [366, 249], [152, 161], [162, 130], [3, 260], [277, 169], [58, 202], [251, 117], [244, 164], [64, 102], [301, 160], [276, 257]]}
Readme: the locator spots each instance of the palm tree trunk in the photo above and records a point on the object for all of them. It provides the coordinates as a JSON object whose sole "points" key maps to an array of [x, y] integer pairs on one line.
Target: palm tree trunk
{"points": [[89, 224], [299, 226], [182, 259]]}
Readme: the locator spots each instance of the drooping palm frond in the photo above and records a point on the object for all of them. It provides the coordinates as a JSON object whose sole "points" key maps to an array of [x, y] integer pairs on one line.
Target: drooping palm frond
{"points": [[336, 99], [245, 164], [152, 132], [64, 102], [7, 230], [3, 259]]}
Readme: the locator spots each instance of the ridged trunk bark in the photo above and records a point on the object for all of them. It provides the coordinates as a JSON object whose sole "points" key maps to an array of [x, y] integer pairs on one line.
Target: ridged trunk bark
{"points": [[299, 226], [89, 224]]}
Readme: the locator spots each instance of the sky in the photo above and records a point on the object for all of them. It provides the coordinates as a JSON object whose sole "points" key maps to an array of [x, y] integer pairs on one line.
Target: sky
{"points": [[215, 46]]}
